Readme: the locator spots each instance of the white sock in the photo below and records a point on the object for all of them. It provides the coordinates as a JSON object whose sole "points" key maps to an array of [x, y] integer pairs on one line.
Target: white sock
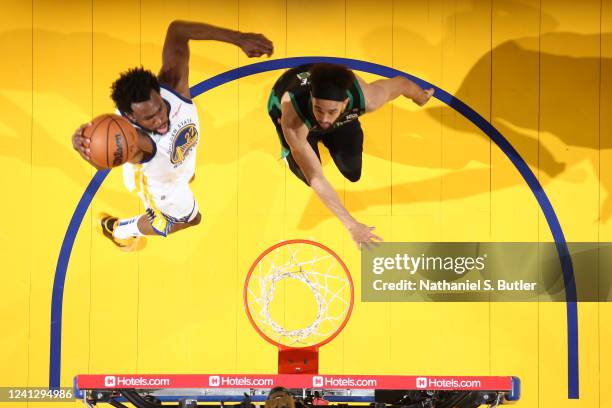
{"points": [[127, 228]]}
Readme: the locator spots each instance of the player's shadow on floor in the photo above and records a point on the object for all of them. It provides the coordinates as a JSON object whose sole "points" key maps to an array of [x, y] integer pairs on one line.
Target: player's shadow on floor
{"points": [[546, 121], [52, 80], [55, 80], [518, 124]]}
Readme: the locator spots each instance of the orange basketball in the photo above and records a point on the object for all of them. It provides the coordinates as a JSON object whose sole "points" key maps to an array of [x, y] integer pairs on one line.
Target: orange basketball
{"points": [[112, 140]]}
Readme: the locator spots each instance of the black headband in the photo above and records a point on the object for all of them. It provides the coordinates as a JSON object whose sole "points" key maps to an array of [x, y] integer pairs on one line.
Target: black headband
{"points": [[329, 92]]}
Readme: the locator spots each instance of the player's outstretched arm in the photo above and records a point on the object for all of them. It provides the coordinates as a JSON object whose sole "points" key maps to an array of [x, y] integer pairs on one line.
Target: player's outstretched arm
{"points": [[296, 134], [382, 91], [175, 55]]}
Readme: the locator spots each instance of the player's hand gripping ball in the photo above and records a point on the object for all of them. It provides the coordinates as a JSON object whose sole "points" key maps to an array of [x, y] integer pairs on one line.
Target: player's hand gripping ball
{"points": [[112, 140]]}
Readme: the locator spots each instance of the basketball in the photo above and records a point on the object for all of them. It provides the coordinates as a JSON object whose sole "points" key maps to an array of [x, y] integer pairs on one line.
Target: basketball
{"points": [[112, 140]]}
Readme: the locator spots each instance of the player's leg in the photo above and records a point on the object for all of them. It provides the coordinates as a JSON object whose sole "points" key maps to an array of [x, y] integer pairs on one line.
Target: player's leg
{"points": [[124, 229], [124, 233], [175, 213], [345, 146], [146, 228], [182, 225], [178, 210]]}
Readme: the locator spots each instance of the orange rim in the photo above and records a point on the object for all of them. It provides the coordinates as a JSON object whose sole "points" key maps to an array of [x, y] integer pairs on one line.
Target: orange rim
{"points": [[289, 242]]}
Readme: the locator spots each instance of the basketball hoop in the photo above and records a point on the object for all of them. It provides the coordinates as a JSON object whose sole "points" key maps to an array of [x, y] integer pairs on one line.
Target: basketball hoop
{"points": [[298, 296]]}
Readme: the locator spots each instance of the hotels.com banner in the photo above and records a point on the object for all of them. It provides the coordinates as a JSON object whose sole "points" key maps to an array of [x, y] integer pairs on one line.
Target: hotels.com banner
{"points": [[294, 381]]}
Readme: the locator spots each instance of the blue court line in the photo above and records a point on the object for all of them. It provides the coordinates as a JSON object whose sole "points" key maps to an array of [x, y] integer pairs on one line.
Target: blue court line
{"points": [[450, 100], [57, 297]]}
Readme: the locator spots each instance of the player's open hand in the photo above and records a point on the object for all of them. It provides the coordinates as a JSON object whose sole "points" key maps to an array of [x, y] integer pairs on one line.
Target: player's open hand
{"points": [[255, 45], [423, 97], [80, 142], [363, 235]]}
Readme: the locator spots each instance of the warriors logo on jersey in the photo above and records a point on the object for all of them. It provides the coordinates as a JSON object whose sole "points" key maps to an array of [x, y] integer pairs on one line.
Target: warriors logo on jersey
{"points": [[185, 140]]}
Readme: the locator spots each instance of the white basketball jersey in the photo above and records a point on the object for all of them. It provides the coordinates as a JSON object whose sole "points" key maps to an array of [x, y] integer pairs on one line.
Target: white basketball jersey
{"points": [[173, 161]]}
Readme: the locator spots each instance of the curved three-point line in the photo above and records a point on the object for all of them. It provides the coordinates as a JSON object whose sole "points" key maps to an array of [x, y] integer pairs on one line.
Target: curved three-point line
{"points": [[450, 100]]}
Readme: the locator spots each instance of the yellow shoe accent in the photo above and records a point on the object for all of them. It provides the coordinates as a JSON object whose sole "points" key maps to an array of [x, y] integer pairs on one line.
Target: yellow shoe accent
{"points": [[131, 244], [107, 225]]}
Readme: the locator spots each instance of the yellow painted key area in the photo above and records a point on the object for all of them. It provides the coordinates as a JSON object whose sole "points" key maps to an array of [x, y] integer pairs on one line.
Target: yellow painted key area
{"points": [[539, 71]]}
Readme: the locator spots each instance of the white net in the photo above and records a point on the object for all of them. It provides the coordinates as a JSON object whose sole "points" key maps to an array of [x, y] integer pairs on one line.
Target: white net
{"points": [[299, 295]]}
